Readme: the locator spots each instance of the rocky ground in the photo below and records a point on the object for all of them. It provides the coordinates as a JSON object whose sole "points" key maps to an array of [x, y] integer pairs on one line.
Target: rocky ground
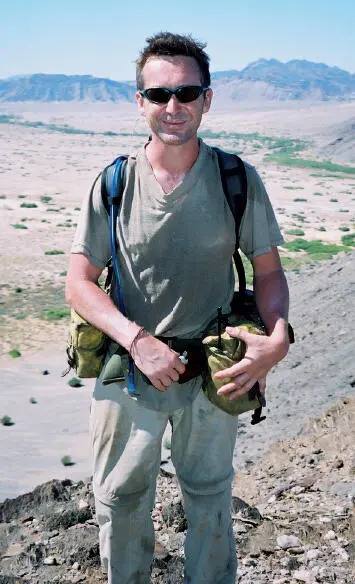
{"points": [[293, 516]]}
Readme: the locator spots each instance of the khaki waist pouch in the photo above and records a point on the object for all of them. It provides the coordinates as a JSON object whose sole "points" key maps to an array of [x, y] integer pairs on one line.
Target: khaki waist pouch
{"points": [[86, 348], [221, 354]]}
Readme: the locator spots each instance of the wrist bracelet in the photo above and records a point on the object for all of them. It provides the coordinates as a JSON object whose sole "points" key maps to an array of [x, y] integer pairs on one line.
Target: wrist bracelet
{"points": [[135, 339]]}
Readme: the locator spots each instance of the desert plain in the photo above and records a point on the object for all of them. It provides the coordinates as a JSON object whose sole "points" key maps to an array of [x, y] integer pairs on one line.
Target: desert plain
{"points": [[51, 153]]}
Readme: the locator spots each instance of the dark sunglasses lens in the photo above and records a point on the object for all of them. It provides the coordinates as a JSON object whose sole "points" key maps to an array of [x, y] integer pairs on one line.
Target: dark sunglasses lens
{"points": [[188, 93], [158, 95]]}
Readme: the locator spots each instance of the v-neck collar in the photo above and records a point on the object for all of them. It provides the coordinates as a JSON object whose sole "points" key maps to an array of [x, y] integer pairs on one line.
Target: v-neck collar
{"points": [[182, 187]]}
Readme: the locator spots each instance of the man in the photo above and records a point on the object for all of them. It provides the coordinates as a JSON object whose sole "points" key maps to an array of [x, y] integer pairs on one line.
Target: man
{"points": [[176, 239]]}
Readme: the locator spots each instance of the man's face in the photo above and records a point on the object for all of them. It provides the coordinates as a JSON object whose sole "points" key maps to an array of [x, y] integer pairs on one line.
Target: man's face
{"points": [[173, 123]]}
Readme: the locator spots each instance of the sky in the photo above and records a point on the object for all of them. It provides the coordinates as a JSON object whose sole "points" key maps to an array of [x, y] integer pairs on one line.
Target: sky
{"points": [[103, 38]]}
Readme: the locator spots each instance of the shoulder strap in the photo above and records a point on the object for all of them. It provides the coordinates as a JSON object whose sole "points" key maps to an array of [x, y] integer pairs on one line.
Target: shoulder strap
{"points": [[235, 187], [112, 193]]}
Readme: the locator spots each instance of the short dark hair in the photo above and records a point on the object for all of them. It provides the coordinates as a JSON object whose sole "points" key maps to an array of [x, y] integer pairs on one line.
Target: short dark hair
{"points": [[173, 45]]}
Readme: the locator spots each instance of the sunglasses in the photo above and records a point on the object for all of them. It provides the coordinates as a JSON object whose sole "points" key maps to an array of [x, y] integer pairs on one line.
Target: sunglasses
{"points": [[183, 93]]}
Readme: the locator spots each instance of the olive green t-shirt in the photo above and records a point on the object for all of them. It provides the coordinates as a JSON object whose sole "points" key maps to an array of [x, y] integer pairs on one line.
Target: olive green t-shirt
{"points": [[175, 252]]}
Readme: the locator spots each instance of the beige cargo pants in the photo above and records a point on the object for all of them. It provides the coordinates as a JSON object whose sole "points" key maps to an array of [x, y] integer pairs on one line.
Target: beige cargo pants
{"points": [[126, 440]]}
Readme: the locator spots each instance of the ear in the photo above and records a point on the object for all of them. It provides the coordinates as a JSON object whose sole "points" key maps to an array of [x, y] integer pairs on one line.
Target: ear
{"points": [[140, 103], [207, 100]]}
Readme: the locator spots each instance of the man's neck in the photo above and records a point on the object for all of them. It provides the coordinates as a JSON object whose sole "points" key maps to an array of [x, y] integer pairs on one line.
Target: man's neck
{"points": [[170, 159]]}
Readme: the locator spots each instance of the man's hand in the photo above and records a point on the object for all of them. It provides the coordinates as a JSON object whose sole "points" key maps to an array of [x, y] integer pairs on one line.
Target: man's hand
{"points": [[262, 353], [157, 361]]}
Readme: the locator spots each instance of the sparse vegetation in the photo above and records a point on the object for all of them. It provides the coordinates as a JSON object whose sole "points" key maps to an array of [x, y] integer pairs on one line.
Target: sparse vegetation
{"points": [[299, 200], [54, 252], [75, 382], [314, 247], [19, 226], [67, 461], [348, 239], [298, 232], [7, 421], [318, 194], [64, 129], [14, 353], [29, 205], [284, 159], [344, 228], [45, 198], [56, 314], [332, 200]]}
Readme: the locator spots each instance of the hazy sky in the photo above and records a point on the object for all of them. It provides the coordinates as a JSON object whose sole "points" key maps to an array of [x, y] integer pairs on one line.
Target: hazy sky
{"points": [[103, 37]]}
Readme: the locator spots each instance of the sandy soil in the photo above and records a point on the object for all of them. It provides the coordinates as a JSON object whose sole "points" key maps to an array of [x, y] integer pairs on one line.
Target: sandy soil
{"points": [[52, 171]]}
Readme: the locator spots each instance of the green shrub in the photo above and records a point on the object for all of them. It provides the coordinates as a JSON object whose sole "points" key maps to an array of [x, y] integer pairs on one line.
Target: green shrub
{"points": [[75, 382], [348, 239], [344, 228], [56, 314], [29, 205], [299, 217], [45, 198], [299, 232], [333, 200], [322, 228], [20, 316], [315, 246], [343, 210], [321, 256], [33, 400], [54, 252], [19, 226], [318, 194], [67, 461], [299, 200], [14, 353], [7, 421], [307, 163]]}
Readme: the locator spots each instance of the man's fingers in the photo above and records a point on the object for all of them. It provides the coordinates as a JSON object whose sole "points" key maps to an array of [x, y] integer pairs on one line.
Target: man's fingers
{"points": [[158, 385], [238, 333], [233, 390], [234, 370]]}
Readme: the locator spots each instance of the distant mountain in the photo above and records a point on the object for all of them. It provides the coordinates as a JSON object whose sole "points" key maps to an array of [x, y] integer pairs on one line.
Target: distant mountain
{"points": [[297, 79], [262, 80], [42, 87]]}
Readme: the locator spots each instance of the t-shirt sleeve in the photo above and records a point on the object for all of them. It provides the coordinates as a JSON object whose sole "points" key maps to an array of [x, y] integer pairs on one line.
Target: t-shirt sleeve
{"points": [[259, 230], [92, 232]]}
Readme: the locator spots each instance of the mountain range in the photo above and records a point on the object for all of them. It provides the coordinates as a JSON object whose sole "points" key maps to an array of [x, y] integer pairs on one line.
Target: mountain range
{"points": [[262, 80]]}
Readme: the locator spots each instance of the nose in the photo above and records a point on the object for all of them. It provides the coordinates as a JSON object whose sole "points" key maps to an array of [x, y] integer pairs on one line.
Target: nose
{"points": [[173, 105]]}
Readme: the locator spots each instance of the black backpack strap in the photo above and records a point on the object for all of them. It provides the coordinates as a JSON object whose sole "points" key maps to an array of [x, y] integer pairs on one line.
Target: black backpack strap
{"points": [[110, 193], [235, 187]]}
